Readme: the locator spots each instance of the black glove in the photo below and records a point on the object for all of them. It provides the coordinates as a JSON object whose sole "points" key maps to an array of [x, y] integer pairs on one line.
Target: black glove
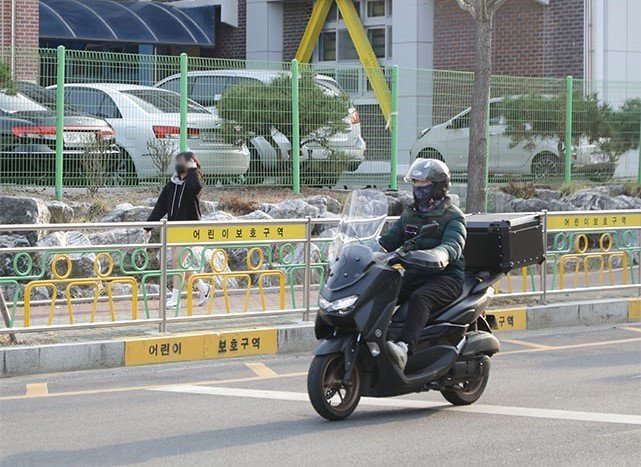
{"points": [[433, 260], [396, 258]]}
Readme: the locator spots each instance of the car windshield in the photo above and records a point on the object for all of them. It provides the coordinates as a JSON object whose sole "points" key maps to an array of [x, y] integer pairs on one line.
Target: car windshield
{"points": [[12, 103], [363, 219], [42, 96], [159, 101]]}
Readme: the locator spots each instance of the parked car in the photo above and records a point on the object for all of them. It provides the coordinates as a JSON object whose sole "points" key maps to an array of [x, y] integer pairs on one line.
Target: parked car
{"points": [[207, 87], [449, 142], [144, 115], [28, 140]]}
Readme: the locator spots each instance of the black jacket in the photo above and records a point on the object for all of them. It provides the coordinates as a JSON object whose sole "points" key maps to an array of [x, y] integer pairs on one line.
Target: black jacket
{"points": [[179, 200], [450, 236]]}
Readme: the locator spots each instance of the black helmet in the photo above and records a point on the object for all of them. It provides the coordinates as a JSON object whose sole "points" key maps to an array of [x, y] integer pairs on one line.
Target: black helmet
{"points": [[433, 170]]}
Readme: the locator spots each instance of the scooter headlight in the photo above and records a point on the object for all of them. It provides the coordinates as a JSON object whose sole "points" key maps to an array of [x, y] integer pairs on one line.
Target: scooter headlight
{"points": [[342, 306]]}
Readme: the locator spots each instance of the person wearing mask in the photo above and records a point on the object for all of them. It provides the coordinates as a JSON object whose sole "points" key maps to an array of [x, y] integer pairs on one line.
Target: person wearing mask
{"points": [[179, 200], [428, 291]]}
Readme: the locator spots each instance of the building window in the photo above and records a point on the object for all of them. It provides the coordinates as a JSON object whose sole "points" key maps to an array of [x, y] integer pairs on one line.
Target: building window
{"points": [[327, 46], [335, 43], [375, 8], [376, 37]]}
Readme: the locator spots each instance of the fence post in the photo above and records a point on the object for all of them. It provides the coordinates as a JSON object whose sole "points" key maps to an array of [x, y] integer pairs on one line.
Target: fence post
{"points": [[60, 119], [183, 102], [568, 129], [295, 128], [162, 298], [394, 129], [307, 280], [486, 175]]}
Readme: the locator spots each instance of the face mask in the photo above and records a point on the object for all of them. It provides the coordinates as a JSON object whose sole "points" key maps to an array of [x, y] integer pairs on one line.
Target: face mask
{"points": [[424, 197], [179, 168]]}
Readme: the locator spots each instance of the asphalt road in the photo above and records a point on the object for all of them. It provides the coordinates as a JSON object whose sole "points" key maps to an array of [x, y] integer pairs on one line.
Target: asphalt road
{"points": [[567, 396]]}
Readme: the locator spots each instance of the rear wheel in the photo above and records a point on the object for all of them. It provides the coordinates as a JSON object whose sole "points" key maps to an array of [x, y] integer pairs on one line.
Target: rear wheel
{"points": [[470, 391], [546, 165], [329, 396]]}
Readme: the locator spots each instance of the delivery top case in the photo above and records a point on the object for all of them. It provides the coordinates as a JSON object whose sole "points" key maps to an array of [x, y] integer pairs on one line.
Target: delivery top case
{"points": [[503, 242]]}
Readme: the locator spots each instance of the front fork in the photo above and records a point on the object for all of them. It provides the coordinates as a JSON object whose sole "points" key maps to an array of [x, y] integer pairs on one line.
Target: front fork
{"points": [[351, 356]]}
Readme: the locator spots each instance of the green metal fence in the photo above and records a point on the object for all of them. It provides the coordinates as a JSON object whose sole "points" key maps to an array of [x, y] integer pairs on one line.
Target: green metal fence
{"points": [[92, 119]]}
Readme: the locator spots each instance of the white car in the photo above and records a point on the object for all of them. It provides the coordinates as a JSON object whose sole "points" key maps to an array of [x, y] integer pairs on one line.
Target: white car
{"points": [[207, 87], [449, 142], [143, 114]]}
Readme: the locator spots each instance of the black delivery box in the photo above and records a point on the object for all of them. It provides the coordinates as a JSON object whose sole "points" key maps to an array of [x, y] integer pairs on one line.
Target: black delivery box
{"points": [[503, 242]]}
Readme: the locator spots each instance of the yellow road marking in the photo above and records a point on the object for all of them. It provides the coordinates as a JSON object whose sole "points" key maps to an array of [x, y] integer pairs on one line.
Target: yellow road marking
{"points": [[143, 388], [262, 370], [527, 344], [574, 346], [633, 329], [37, 390]]}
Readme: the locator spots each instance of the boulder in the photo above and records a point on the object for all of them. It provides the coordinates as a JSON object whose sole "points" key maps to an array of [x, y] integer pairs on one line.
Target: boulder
{"points": [[136, 214], [613, 204], [81, 209], [117, 213], [294, 209], [82, 264], [394, 206], [527, 205], [325, 203], [207, 207], [548, 195], [256, 215], [218, 216], [499, 202], [588, 200], [560, 205], [616, 190], [61, 213], [24, 210], [6, 259], [630, 201]]}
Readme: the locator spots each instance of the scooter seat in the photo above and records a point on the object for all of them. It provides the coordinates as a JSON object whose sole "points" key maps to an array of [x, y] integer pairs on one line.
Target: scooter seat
{"points": [[469, 283]]}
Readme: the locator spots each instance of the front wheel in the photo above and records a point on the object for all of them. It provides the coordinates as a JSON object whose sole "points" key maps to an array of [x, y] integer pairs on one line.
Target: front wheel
{"points": [[470, 391], [329, 396]]}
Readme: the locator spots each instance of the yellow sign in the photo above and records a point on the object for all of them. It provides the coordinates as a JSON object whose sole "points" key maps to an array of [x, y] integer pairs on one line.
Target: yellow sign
{"points": [[245, 343], [200, 346], [592, 221], [514, 319], [634, 309], [236, 233]]}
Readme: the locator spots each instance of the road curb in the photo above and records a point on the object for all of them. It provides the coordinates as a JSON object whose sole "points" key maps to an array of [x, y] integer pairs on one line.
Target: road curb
{"points": [[30, 360]]}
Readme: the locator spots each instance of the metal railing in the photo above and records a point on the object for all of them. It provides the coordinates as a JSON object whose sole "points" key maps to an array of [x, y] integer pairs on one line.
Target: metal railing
{"points": [[240, 260]]}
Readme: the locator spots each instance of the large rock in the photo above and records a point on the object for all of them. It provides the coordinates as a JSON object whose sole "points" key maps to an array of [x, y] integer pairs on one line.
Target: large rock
{"points": [[589, 200], [82, 264], [218, 216], [560, 205], [325, 203], [6, 259], [117, 213], [61, 213], [630, 201], [81, 209], [293, 209], [499, 202], [118, 237], [548, 195], [207, 207], [255, 215], [527, 205], [24, 210], [136, 214]]}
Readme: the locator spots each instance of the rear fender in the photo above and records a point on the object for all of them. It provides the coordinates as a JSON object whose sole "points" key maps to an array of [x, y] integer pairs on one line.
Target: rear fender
{"points": [[480, 342]]}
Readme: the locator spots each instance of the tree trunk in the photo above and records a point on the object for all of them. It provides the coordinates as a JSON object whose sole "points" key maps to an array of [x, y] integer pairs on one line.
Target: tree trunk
{"points": [[477, 155]]}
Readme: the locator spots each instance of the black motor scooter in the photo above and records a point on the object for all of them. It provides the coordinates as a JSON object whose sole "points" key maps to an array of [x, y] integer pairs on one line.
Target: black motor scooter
{"points": [[358, 304]]}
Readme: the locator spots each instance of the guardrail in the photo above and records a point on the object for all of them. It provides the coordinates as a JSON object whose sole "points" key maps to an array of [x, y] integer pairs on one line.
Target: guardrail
{"points": [[75, 280]]}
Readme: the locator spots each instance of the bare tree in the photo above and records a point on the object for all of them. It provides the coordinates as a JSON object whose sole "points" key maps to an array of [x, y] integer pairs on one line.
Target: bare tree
{"points": [[483, 13]]}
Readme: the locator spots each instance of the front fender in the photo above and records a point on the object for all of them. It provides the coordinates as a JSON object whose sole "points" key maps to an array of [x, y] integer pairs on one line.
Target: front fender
{"points": [[335, 345]]}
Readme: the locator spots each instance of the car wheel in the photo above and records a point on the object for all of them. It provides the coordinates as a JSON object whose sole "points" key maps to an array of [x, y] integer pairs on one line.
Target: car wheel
{"points": [[431, 154], [546, 165], [256, 173], [122, 171]]}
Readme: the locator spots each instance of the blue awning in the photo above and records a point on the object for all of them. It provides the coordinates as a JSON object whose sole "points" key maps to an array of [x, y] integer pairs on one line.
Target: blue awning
{"points": [[126, 21]]}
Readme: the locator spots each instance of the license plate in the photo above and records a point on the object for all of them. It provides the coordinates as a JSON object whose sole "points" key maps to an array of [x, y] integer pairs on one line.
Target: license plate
{"points": [[210, 137], [79, 138]]}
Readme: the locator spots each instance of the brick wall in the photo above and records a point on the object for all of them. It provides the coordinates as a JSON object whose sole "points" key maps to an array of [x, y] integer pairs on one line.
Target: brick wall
{"points": [[295, 18], [529, 39], [27, 37], [564, 35], [230, 41]]}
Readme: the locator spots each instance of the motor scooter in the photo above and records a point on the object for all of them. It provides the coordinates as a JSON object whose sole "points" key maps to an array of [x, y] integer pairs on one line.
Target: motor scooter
{"points": [[358, 305]]}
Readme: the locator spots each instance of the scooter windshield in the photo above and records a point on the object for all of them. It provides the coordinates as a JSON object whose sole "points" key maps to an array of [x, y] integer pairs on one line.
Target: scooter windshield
{"points": [[363, 219]]}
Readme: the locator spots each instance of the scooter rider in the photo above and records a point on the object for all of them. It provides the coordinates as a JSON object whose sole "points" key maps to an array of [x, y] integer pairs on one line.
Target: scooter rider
{"points": [[425, 290]]}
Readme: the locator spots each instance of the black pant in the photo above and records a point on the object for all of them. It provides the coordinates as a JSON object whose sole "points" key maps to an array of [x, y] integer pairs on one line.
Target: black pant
{"points": [[425, 300]]}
